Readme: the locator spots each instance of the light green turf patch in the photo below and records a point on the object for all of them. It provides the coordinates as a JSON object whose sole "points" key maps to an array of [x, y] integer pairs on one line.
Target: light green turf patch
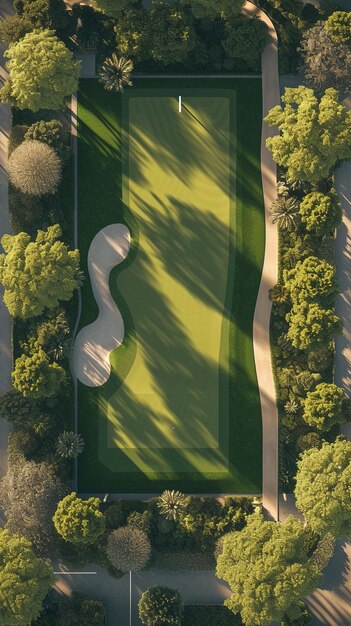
{"points": [[181, 407], [176, 183]]}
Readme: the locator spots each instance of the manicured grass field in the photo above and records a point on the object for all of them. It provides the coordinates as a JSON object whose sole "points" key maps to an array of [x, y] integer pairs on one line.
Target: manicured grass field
{"points": [[181, 406]]}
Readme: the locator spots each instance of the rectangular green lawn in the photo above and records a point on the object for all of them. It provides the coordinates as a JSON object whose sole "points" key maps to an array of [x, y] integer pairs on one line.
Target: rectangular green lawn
{"points": [[181, 406]]}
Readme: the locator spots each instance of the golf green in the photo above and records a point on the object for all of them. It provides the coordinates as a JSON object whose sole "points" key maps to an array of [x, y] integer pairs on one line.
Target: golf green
{"points": [[181, 407]]}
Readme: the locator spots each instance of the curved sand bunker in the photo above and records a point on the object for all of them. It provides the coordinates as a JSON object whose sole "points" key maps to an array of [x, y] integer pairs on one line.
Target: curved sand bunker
{"points": [[93, 344]]}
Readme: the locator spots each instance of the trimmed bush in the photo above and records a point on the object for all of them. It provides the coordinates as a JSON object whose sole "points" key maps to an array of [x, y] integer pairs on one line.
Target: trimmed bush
{"points": [[35, 168], [160, 606], [79, 521], [128, 549]]}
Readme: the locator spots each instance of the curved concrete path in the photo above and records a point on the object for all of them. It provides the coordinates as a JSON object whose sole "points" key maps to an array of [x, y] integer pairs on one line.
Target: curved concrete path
{"points": [[261, 338], [6, 9], [95, 342]]}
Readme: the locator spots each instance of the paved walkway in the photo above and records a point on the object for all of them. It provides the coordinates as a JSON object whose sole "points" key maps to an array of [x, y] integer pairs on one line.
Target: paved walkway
{"points": [[5, 320], [195, 587], [261, 338]]}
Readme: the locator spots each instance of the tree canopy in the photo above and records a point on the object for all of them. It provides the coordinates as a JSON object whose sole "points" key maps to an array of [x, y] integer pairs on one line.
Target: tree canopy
{"points": [[25, 580], [29, 494], [37, 274], [42, 71], [323, 488], [160, 605], [113, 8], [36, 377], [310, 326], [338, 26], [326, 62], [321, 213], [323, 407], [213, 8], [270, 568], [312, 280], [79, 521], [314, 134]]}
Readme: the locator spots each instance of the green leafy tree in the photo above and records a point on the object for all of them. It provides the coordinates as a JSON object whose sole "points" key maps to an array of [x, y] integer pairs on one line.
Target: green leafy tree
{"points": [[314, 134], [310, 326], [244, 39], [128, 549], [29, 494], [323, 407], [323, 487], [321, 213], [113, 8], [79, 521], [326, 62], [35, 168], [172, 504], [42, 71], [69, 445], [14, 28], [52, 336], [133, 34], [44, 13], [52, 133], [37, 274], [15, 408], [215, 8], [160, 606], [270, 567], [36, 377], [312, 280], [114, 73], [25, 580], [173, 36], [338, 26], [80, 610]]}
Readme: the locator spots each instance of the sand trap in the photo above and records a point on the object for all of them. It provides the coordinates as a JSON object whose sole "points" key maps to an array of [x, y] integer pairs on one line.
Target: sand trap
{"points": [[93, 344]]}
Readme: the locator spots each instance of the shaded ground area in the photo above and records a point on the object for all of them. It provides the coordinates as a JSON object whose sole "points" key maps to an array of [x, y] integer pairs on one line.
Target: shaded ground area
{"points": [[175, 229], [195, 587]]}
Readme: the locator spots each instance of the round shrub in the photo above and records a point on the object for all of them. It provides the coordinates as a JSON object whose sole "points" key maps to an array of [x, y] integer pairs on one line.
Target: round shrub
{"points": [[320, 213], [35, 168], [52, 133], [319, 360], [323, 407], [160, 606], [115, 515], [79, 521], [128, 549], [307, 441]]}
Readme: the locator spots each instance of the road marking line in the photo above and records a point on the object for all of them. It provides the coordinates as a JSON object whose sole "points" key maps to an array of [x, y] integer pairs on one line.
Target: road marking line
{"points": [[180, 104]]}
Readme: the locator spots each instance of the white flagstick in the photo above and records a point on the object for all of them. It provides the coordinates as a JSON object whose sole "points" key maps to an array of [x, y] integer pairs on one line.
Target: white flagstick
{"points": [[180, 104]]}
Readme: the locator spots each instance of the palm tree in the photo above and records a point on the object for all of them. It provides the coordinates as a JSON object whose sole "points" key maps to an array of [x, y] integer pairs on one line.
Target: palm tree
{"points": [[283, 212], [115, 72], [172, 503], [291, 406], [69, 445], [278, 294]]}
